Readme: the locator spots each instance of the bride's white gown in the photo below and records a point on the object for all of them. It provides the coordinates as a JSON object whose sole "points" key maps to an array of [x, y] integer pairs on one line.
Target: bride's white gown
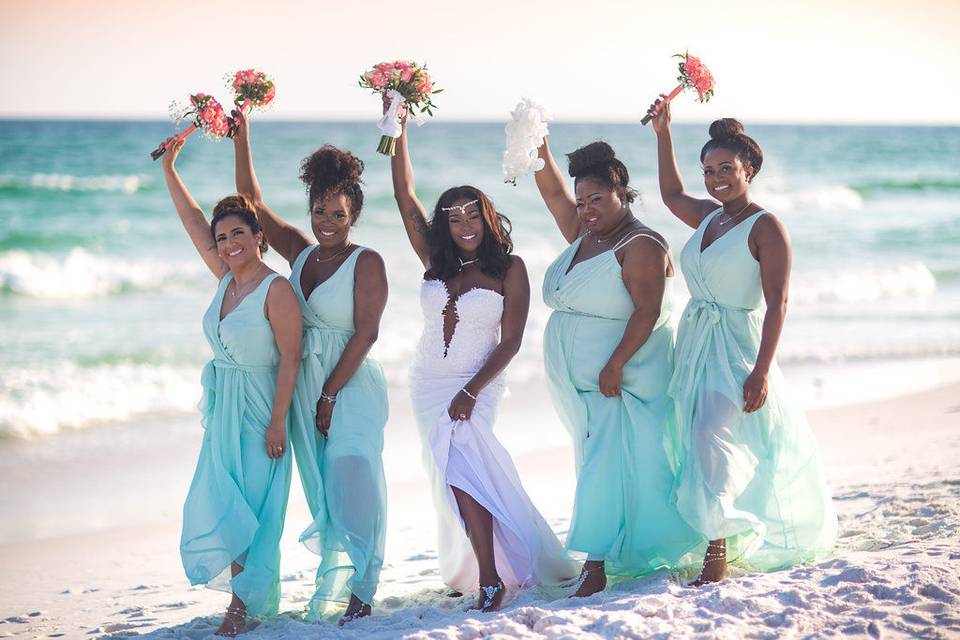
{"points": [[467, 455]]}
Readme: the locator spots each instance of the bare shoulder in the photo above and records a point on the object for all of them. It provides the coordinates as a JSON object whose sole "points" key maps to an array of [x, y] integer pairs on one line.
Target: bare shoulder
{"points": [[370, 275], [517, 270], [769, 228], [516, 276], [280, 290], [516, 263], [369, 261], [645, 245]]}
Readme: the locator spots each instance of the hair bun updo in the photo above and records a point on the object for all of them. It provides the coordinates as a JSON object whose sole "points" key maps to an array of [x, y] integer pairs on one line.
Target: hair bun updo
{"points": [[598, 161], [725, 128], [330, 170], [729, 133], [590, 156]]}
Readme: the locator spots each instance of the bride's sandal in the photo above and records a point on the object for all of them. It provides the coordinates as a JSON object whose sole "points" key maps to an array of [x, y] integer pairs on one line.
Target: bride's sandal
{"points": [[491, 597]]}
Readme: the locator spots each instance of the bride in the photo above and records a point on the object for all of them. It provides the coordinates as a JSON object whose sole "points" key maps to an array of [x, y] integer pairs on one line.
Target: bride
{"points": [[475, 296]]}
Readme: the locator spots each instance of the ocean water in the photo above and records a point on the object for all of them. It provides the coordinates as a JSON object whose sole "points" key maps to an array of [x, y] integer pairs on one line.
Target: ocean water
{"points": [[101, 292]]}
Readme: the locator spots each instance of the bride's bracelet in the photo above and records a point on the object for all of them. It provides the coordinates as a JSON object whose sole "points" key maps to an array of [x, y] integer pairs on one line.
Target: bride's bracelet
{"points": [[470, 395], [325, 398]]}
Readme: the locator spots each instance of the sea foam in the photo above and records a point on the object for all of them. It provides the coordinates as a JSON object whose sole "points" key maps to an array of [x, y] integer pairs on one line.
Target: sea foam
{"points": [[81, 274], [63, 395], [867, 284], [66, 182]]}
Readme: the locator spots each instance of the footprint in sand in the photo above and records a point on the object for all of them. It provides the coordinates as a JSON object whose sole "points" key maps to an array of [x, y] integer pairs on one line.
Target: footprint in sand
{"points": [[937, 593]]}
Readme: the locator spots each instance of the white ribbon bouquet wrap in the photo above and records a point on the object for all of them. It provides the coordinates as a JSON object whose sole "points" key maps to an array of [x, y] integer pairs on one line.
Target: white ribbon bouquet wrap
{"points": [[389, 124], [525, 133], [407, 86]]}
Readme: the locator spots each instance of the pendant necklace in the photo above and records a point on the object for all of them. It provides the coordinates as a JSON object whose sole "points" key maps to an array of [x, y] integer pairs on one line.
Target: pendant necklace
{"points": [[734, 217], [334, 256]]}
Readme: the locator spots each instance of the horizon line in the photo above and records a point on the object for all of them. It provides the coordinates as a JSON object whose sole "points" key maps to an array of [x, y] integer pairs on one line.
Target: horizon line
{"points": [[304, 119]]}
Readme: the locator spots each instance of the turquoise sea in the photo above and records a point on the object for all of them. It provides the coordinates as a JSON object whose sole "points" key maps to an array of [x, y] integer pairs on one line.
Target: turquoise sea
{"points": [[101, 292]]}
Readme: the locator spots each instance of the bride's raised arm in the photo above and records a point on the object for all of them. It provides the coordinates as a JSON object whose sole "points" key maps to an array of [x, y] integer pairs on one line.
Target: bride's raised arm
{"points": [[558, 199], [411, 209], [191, 215]]}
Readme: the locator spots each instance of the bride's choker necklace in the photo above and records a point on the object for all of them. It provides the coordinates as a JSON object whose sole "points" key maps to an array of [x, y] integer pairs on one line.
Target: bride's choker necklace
{"points": [[464, 263]]}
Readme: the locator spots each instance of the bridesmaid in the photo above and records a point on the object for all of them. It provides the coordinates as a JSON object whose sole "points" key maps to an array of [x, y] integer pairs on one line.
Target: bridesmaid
{"points": [[340, 402], [233, 516], [749, 477], [608, 351], [475, 296]]}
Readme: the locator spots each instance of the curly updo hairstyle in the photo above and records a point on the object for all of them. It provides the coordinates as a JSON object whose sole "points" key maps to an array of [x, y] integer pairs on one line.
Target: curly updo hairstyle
{"points": [[728, 133], [598, 161], [330, 170], [237, 205], [494, 250]]}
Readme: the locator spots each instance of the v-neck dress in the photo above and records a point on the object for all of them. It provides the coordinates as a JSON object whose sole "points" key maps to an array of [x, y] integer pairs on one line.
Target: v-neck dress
{"points": [[622, 512], [342, 474], [754, 479], [235, 508]]}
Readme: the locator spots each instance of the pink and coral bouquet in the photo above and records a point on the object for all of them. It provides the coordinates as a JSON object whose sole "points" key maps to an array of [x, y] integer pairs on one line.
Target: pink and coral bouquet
{"points": [[210, 116], [207, 114], [407, 84], [693, 75], [251, 88]]}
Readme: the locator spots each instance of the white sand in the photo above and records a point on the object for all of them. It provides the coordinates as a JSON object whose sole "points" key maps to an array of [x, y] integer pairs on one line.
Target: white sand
{"points": [[892, 464]]}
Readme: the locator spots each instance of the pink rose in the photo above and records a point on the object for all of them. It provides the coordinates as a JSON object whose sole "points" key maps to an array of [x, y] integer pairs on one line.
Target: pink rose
{"points": [[378, 80], [384, 67], [220, 127], [406, 74], [269, 95]]}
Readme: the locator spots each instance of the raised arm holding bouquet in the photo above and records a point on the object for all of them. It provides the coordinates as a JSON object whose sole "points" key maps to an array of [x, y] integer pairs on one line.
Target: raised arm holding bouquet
{"points": [[252, 89], [693, 75], [404, 83], [208, 116], [526, 131]]}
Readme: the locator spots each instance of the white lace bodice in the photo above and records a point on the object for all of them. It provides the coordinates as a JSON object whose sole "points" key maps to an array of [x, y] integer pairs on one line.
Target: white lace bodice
{"points": [[475, 335]]}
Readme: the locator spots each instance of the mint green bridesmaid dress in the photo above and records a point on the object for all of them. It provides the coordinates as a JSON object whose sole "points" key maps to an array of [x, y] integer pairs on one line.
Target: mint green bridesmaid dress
{"points": [[622, 511], [753, 479], [238, 498], [342, 475]]}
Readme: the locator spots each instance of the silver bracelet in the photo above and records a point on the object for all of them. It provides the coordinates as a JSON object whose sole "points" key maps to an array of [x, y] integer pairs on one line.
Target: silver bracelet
{"points": [[464, 389], [325, 398]]}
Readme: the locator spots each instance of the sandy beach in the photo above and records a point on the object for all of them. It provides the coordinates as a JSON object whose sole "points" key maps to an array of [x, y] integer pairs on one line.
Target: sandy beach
{"points": [[891, 463]]}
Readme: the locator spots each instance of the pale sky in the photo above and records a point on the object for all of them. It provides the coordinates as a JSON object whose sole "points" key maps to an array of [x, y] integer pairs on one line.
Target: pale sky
{"points": [[843, 61]]}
